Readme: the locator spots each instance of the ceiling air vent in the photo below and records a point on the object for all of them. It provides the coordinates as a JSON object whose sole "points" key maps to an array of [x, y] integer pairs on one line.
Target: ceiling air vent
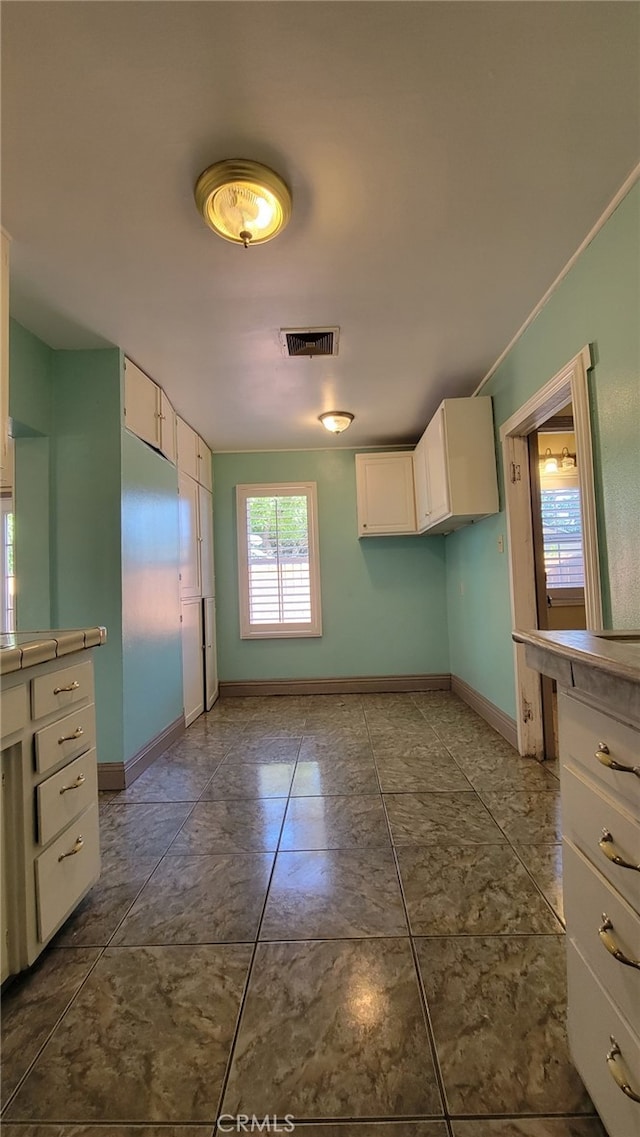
{"points": [[309, 341]]}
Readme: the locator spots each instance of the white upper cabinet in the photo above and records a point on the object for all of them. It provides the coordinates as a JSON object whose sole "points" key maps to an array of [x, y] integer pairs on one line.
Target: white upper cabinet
{"points": [[168, 443], [194, 456], [147, 411], [141, 404], [454, 467], [187, 449], [205, 474], [385, 495]]}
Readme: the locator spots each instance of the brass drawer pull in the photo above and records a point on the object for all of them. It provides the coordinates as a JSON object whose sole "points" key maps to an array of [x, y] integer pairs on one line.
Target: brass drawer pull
{"points": [[618, 1072], [77, 846], [78, 732], [72, 687], [604, 756], [604, 931], [80, 780], [609, 850]]}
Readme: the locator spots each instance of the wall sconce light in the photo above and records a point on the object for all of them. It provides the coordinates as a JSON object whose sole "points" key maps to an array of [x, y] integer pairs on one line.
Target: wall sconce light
{"points": [[336, 421], [549, 463], [566, 461], [242, 201]]}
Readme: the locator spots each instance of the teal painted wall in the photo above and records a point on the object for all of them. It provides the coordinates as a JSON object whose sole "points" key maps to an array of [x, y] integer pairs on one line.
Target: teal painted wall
{"points": [[598, 303], [97, 534], [383, 599], [31, 503], [30, 364], [152, 654], [85, 535]]}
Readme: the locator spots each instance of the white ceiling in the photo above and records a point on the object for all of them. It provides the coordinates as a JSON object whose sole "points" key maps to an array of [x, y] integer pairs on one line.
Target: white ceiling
{"points": [[445, 160]]}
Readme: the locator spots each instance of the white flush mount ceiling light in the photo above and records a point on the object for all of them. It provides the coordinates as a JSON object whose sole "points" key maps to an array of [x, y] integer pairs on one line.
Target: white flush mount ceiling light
{"points": [[336, 421], [243, 201]]}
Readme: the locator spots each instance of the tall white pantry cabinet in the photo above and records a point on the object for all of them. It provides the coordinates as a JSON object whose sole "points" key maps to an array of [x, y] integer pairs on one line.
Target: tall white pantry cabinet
{"points": [[150, 416], [197, 578]]}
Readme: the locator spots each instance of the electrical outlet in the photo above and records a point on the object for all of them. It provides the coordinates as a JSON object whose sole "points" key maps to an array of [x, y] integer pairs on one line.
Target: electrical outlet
{"points": [[501, 544]]}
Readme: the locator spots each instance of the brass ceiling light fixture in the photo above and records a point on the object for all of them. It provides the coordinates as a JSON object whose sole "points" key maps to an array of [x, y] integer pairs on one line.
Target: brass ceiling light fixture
{"points": [[243, 201], [336, 421]]}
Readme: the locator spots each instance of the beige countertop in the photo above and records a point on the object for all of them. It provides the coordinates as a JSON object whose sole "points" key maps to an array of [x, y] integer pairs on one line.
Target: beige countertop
{"points": [[24, 649]]}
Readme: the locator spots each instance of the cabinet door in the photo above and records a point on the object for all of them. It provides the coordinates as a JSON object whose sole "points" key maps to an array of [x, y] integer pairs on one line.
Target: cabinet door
{"points": [[189, 537], [210, 653], [141, 404], [436, 467], [192, 659], [205, 475], [5, 881], [421, 485], [168, 444], [385, 494], [187, 448], [205, 521]]}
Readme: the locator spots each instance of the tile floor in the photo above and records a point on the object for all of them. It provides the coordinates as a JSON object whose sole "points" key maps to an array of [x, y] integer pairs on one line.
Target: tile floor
{"points": [[341, 909]]}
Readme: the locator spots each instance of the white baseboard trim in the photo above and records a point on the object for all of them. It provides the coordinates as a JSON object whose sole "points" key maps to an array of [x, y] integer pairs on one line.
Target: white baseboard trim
{"points": [[119, 775], [368, 684], [496, 718]]}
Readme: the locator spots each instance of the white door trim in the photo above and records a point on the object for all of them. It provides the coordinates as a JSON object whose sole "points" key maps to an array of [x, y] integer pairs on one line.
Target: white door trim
{"points": [[569, 385]]}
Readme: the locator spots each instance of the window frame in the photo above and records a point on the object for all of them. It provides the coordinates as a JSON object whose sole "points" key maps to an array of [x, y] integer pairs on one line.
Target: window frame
{"points": [[562, 481], [313, 628]]}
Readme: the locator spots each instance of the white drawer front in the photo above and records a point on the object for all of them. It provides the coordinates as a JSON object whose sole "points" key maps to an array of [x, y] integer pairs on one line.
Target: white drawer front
{"points": [[61, 689], [592, 1022], [588, 898], [66, 794], [13, 710], [62, 875], [587, 815], [65, 738], [584, 733]]}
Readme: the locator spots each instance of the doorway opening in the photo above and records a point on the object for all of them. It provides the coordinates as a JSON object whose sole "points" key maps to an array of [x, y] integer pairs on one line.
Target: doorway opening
{"points": [[556, 517], [551, 521]]}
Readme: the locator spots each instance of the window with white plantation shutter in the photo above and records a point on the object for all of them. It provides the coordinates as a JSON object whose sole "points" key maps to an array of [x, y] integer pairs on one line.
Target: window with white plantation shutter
{"points": [[278, 561], [562, 537]]}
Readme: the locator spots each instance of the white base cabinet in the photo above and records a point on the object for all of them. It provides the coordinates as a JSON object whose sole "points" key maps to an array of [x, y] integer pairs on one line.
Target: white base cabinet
{"points": [[210, 652], [454, 467], [385, 497], [50, 835], [192, 659], [601, 836]]}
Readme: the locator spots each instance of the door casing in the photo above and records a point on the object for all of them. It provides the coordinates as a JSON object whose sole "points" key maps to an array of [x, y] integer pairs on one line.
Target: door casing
{"points": [[569, 385]]}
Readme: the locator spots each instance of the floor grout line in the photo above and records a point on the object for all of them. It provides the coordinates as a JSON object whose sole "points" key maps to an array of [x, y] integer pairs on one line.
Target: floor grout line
{"points": [[245, 993], [421, 992]]}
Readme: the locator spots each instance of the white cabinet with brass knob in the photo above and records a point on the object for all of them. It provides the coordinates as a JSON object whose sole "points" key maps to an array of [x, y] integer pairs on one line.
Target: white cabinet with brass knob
{"points": [[50, 834], [147, 411], [600, 778], [385, 496]]}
